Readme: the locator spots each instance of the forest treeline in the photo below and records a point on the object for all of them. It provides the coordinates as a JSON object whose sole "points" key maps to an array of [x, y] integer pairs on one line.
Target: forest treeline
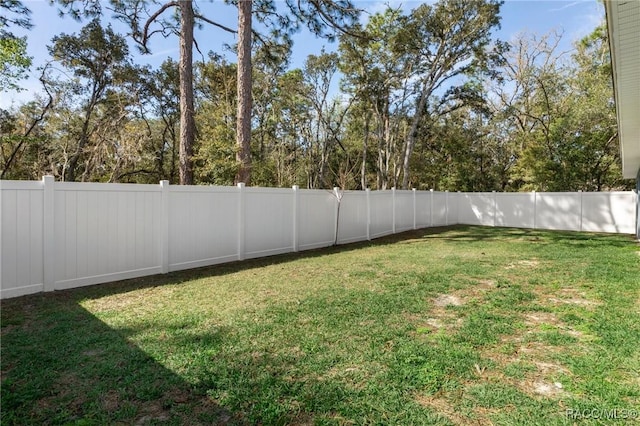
{"points": [[428, 98]]}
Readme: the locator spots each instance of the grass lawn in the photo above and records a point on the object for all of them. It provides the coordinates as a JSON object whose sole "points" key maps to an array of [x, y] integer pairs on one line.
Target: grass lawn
{"points": [[462, 325]]}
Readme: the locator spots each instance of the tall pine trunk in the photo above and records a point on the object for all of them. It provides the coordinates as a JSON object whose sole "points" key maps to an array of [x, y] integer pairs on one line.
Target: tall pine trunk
{"points": [[187, 121], [243, 126], [411, 139]]}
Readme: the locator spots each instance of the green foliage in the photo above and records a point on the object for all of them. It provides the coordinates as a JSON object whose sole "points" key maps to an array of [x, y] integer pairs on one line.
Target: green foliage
{"points": [[14, 61], [428, 98]]}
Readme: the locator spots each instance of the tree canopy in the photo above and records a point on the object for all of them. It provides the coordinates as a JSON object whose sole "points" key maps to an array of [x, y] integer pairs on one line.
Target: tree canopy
{"points": [[426, 98]]}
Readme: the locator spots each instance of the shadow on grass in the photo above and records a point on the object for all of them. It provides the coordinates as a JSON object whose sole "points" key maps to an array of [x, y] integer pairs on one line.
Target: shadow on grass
{"points": [[62, 365], [573, 238]]}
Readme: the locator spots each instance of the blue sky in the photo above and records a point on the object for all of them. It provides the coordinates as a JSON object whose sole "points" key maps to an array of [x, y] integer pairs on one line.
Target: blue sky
{"points": [[576, 18]]}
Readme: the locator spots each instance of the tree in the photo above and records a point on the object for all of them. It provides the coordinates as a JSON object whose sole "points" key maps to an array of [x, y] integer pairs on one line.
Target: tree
{"points": [[243, 129], [323, 18], [328, 116], [14, 61], [95, 56], [376, 75], [447, 41], [141, 28], [145, 18], [13, 138], [216, 85]]}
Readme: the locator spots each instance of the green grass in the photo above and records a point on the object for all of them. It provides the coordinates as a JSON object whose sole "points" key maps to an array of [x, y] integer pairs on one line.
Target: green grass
{"points": [[461, 325]]}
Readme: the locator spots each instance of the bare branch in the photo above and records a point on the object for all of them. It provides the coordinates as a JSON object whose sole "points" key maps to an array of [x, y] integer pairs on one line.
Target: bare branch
{"points": [[35, 122], [152, 18], [215, 24]]}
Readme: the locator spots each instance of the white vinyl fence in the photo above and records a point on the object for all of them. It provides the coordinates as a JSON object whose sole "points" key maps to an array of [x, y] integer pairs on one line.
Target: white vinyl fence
{"points": [[58, 235]]}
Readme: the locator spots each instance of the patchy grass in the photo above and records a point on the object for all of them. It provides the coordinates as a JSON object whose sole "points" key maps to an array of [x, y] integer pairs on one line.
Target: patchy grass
{"points": [[452, 326]]}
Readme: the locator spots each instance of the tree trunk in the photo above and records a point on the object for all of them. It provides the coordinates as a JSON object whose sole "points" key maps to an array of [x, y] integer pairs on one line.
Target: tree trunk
{"points": [[411, 139], [187, 121], [365, 143], [70, 175], [243, 126]]}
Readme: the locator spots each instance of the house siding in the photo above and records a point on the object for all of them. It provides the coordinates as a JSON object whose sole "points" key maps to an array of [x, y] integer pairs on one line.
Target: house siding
{"points": [[638, 205]]}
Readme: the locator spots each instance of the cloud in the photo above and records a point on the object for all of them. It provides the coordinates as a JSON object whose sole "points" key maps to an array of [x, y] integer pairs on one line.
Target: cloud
{"points": [[162, 52], [379, 6], [589, 20], [566, 6]]}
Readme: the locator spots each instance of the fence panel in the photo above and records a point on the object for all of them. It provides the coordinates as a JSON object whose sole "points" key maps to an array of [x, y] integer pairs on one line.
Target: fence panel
{"points": [[268, 226], [476, 208], [105, 232], [203, 226], [453, 207], [316, 219], [404, 210], [381, 215], [21, 228], [515, 210], [558, 211], [609, 212], [352, 225], [423, 209], [440, 208]]}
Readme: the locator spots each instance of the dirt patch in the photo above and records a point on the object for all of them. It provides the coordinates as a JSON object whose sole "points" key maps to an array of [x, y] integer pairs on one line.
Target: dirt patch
{"points": [[210, 408], [177, 396], [440, 317], [573, 301], [537, 318], [445, 300], [110, 401], [568, 296], [152, 412], [533, 263], [487, 284], [550, 368], [61, 390], [93, 352], [444, 408], [301, 419], [547, 389], [434, 323]]}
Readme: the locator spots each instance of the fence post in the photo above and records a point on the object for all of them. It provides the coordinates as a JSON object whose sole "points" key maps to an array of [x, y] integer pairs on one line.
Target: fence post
{"points": [[495, 209], [458, 196], [241, 220], [296, 225], [164, 226], [535, 207], [48, 228], [580, 193], [393, 211], [1, 239], [446, 207], [368, 194], [431, 207], [414, 208], [336, 195]]}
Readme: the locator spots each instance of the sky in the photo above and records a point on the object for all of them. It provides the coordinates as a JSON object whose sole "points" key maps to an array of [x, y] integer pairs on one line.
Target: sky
{"points": [[575, 18]]}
